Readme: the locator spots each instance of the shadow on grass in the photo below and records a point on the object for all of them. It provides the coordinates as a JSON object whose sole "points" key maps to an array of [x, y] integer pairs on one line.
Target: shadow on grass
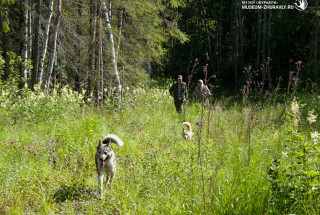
{"points": [[74, 194]]}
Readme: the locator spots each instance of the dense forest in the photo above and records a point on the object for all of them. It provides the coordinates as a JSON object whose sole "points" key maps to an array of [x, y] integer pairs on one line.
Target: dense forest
{"points": [[96, 46]]}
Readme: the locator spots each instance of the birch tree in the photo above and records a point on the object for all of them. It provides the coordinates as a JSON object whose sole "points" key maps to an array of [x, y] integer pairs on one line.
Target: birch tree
{"points": [[53, 50], [113, 54], [35, 49], [26, 39], [45, 43]]}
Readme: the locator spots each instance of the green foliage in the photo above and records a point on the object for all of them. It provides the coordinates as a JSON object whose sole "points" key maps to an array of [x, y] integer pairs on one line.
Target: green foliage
{"points": [[48, 142], [14, 66], [4, 13], [311, 75], [294, 176]]}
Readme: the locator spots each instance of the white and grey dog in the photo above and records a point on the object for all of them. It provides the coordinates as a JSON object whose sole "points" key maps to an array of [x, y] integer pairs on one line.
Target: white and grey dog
{"points": [[187, 134], [106, 160]]}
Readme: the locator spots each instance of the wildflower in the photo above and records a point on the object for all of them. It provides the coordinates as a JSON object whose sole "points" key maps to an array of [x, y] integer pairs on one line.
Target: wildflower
{"points": [[12, 141], [252, 116], [314, 136], [284, 154], [295, 79], [298, 62], [311, 117], [295, 108], [267, 92]]}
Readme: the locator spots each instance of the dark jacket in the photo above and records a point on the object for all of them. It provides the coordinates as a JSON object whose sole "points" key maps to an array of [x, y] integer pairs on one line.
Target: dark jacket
{"points": [[174, 90]]}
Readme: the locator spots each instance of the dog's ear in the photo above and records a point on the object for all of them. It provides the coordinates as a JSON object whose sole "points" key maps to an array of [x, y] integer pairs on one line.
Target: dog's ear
{"points": [[100, 144], [109, 143], [183, 130]]}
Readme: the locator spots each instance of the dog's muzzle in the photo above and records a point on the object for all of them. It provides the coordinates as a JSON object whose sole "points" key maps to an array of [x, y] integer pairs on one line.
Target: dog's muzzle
{"points": [[103, 161]]}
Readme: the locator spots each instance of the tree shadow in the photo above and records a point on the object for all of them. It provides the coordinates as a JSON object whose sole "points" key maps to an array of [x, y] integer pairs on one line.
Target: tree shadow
{"points": [[74, 194]]}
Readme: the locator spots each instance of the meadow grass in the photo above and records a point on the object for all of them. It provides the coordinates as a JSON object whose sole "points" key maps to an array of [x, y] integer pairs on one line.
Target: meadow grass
{"points": [[48, 144]]}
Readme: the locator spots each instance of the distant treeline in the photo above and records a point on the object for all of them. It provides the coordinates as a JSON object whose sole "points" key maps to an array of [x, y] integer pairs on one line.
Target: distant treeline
{"points": [[97, 45]]}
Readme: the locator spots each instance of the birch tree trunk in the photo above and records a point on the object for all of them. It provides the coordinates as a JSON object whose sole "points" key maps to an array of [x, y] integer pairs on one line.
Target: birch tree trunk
{"points": [[26, 41], [113, 54], [97, 56], [35, 49], [91, 57], [45, 43], [53, 50], [101, 69], [78, 49]]}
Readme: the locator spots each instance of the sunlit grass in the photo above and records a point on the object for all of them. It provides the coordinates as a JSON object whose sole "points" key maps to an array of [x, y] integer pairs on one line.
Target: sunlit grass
{"points": [[48, 146]]}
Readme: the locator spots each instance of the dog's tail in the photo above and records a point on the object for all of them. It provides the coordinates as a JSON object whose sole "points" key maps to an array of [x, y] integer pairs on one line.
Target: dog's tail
{"points": [[112, 138], [188, 125]]}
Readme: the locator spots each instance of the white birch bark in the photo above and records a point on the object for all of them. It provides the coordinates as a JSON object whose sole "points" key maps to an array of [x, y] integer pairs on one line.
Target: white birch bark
{"points": [[113, 54], [45, 43], [25, 45], [35, 44], [53, 51]]}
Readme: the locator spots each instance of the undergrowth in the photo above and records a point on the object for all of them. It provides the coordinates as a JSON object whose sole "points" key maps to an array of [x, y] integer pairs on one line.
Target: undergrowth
{"points": [[248, 158]]}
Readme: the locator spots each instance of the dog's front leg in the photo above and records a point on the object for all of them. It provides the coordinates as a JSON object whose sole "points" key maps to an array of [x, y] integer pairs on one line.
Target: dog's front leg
{"points": [[109, 179], [100, 183]]}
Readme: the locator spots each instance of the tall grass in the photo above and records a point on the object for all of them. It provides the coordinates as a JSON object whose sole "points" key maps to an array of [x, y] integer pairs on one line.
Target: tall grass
{"points": [[48, 144]]}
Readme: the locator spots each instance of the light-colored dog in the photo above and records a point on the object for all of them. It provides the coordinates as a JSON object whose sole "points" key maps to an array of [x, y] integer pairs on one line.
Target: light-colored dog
{"points": [[187, 134], [106, 160]]}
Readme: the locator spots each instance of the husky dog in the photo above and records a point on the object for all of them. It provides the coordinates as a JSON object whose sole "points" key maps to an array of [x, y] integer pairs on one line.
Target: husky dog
{"points": [[187, 134], [106, 159]]}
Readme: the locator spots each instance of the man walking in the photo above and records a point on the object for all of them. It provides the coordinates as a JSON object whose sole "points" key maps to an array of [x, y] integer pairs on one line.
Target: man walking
{"points": [[178, 91], [201, 92]]}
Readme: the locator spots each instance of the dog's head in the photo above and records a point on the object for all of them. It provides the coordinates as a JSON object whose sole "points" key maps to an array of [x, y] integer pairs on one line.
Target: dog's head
{"points": [[104, 152]]}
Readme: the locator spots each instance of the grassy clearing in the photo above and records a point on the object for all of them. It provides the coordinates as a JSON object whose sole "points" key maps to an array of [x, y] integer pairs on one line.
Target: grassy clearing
{"points": [[48, 146]]}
